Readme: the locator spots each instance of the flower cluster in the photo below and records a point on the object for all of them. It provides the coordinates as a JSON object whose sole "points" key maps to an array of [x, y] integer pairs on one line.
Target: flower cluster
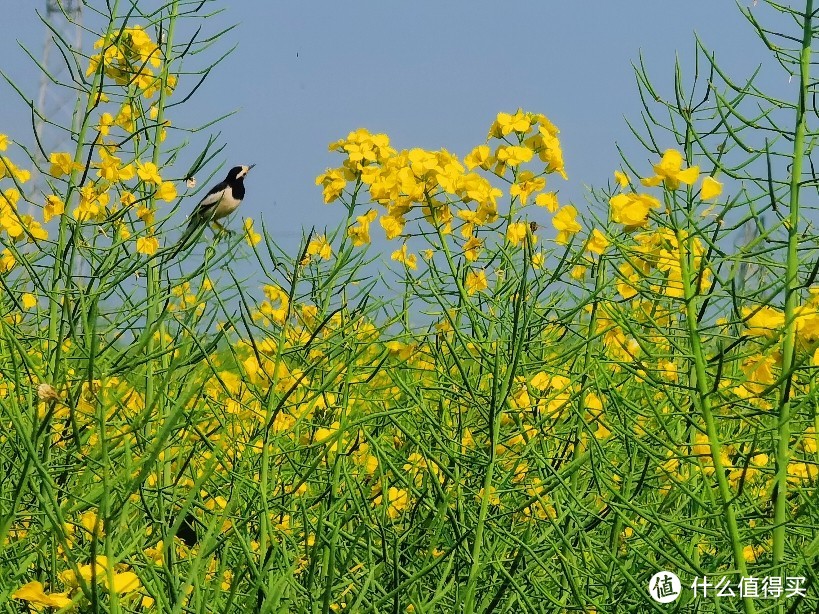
{"points": [[128, 57], [656, 258], [121, 177], [438, 188], [118, 579], [15, 225], [632, 209]]}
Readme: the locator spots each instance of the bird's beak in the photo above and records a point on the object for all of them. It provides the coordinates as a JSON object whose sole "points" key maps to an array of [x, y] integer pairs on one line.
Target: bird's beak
{"points": [[251, 166]]}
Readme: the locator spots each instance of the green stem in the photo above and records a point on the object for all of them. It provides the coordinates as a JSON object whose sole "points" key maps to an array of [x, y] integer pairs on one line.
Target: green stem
{"points": [[791, 298], [472, 581], [153, 315], [703, 400], [56, 301], [152, 275]]}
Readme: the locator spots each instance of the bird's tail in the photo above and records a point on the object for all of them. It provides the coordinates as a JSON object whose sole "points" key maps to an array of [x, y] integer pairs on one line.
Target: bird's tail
{"points": [[183, 241]]}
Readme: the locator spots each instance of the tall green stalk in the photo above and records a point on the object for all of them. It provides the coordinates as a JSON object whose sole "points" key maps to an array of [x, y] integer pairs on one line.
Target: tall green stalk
{"points": [[792, 286], [153, 273], [703, 400]]}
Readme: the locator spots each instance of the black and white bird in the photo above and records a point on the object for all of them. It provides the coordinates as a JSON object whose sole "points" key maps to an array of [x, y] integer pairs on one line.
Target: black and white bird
{"points": [[220, 201]]}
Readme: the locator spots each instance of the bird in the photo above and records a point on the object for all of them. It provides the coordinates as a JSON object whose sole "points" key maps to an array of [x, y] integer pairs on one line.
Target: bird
{"points": [[220, 201]]}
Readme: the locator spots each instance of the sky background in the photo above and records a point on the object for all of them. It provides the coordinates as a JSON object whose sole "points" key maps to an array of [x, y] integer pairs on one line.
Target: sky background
{"points": [[429, 74]]}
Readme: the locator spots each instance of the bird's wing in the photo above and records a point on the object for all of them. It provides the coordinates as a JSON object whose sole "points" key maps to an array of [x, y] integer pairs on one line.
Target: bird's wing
{"points": [[214, 194], [208, 203], [199, 217]]}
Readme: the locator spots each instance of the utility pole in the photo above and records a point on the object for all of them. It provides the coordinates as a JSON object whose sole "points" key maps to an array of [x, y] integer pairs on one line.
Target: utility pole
{"points": [[56, 104]]}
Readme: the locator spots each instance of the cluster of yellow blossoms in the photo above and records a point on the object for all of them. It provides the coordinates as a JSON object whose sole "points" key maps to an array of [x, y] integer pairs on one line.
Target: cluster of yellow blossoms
{"points": [[442, 189], [762, 370], [656, 256], [127, 57], [659, 252], [95, 198], [632, 209], [15, 225], [437, 187], [117, 579]]}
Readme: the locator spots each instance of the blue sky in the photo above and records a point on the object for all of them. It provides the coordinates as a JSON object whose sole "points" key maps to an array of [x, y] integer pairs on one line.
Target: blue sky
{"points": [[429, 74]]}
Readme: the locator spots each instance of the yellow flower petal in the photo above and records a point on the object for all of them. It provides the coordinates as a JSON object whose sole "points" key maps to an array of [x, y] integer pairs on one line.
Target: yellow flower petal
{"points": [[689, 175], [621, 178], [167, 191], [147, 245], [711, 188], [251, 236]]}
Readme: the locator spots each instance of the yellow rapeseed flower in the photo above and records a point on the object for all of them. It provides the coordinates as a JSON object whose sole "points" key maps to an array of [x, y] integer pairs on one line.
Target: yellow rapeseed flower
{"points": [[519, 122], [628, 283], [333, 182], [763, 321], [34, 593], [513, 155], [670, 171], [251, 236], [632, 210], [401, 255], [110, 168], [526, 185], [7, 261], [146, 214], [147, 245], [516, 232], [106, 121], [393, 225], [711, 188], [277, 304], [320, 247], [479, 157], [551, 153], [548, 200], [472, 248], [167, 191], [148, 172], [597, 242], [127, 199], [54, 207], [494, 499], [565, 223], [398, 499], [61, 164], [9, 169], [93, 200], [360, 233], [476, 282]]}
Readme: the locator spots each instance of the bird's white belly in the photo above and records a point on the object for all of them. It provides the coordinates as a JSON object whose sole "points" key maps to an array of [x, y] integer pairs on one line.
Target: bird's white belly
{"points": [[226, 205]]}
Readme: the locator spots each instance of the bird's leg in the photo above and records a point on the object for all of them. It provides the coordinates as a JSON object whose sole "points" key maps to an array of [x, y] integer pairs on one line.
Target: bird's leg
{"points": [[220, 230]]}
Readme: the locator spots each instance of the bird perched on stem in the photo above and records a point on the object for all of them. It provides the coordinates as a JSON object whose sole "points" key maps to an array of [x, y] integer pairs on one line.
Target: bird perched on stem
{"points": [[220, 201]]}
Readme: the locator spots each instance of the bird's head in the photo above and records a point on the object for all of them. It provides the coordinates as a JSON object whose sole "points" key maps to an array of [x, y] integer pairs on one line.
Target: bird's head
{"points": [[238, 173]]}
